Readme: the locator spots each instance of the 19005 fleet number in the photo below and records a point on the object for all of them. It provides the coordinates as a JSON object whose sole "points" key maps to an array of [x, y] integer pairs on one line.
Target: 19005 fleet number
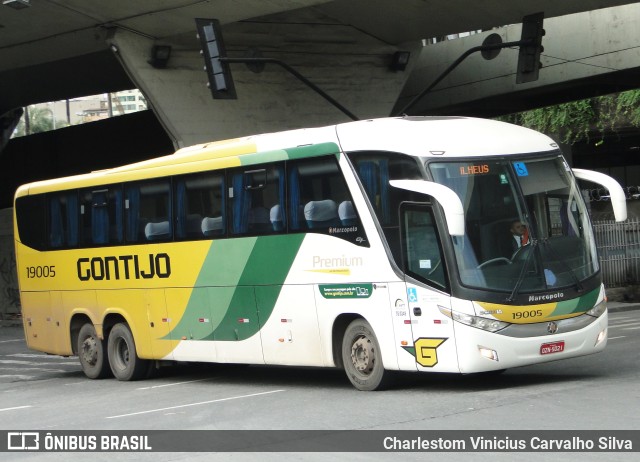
{"points": [[527, 314], [36, 272]]}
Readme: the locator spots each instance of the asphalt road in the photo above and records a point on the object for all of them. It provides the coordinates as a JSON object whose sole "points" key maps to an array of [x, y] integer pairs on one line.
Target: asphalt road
{"points": [[51, 393]]}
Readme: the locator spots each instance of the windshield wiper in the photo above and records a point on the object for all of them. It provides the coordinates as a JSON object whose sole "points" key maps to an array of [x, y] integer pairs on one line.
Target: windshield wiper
{"points": [[525, 267]]}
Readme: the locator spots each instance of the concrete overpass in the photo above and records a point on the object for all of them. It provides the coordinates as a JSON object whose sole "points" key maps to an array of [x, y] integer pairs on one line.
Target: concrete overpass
{"points": [[585, 54], [59, 49]]}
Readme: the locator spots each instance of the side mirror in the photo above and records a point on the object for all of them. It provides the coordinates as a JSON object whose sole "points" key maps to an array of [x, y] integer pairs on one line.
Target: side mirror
{"points": [[448, 199]]}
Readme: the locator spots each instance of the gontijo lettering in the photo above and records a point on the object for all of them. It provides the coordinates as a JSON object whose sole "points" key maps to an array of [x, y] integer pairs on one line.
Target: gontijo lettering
{"points": [[124, 267]]}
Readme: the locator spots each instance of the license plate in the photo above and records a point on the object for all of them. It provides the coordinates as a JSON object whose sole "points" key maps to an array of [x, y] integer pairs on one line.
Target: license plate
{"points": [[549, 348]]}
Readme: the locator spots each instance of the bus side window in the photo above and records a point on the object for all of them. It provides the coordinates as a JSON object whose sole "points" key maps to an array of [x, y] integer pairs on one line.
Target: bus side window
{"points": [[256, 200], [31, 218], [200, 205], [320, 202], [316, 187], [148, 214], [101, 216], [63, 220]]}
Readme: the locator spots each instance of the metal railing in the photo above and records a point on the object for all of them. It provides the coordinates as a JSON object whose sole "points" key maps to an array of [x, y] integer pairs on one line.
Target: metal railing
{"points": [[619, 251]]}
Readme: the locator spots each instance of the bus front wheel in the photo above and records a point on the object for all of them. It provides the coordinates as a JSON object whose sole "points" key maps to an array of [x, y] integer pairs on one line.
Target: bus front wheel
{"points": [[125, 363], [362, 357], [92, 352]]}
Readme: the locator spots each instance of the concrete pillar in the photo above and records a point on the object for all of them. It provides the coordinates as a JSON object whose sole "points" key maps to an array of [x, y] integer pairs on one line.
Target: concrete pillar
{"points": [[352, 69], [9, 295]]}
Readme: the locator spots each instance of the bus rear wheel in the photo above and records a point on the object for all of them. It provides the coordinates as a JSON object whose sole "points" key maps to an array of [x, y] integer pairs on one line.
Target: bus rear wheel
{"points": [[123, 359], [362, 358], [92, 352]]}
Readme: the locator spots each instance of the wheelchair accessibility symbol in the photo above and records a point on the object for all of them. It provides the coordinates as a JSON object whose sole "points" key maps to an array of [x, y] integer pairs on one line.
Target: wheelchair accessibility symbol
{"points": [[521, 169], [413, 295]]}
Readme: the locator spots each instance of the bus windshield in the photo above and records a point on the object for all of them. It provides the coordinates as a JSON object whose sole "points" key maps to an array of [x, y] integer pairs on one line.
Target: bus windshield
{"points": [[527, 228]]}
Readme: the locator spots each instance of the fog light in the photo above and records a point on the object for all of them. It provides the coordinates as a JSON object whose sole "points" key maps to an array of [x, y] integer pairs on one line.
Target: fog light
{"points": [[601, 336], [488, 353]]}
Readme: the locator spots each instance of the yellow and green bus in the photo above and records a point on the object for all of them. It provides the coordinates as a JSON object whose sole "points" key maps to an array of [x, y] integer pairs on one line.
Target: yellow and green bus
{"points": [[374, 246]]}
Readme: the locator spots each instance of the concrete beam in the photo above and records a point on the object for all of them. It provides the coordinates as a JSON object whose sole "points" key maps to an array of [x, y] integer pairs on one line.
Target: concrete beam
{"points": [[352, 69], [600, 49]]}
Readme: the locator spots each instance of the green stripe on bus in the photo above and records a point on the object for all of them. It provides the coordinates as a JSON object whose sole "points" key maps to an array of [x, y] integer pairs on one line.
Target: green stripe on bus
{"points": [[238, 287], [263, 157], [313, 150], [577, 305], [270, 261]]}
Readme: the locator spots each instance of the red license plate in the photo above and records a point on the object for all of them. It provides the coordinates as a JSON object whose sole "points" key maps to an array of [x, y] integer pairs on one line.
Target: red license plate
{"points": [[549, 348]]}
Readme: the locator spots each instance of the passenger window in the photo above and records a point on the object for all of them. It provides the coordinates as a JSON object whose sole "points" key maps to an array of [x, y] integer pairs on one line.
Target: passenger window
{"points": [[375, 169], [63, 219], [148, 211], [101, 216], [256, 201], [319, 200], [200, 206], [31, 218]]}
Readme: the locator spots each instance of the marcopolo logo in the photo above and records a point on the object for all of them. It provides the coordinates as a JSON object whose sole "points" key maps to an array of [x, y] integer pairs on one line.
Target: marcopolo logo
{"points": [[124, 267], [546, 297]]}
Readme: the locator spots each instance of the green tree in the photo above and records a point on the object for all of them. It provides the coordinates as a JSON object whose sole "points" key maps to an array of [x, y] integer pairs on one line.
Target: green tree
{"points": [[41, 119], [584, 119]]}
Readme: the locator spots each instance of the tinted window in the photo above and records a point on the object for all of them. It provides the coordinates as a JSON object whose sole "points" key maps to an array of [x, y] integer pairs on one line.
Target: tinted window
{"points": [[319, 200], [422, 250], [63, 217], [148, 211], [30, 216], [200, 206], [101, 216], [256, 200]]}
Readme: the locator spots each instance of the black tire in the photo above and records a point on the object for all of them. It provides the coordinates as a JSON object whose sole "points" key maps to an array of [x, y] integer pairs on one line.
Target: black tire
{"points": [[362, 358], [123, 359], [92, 352]]}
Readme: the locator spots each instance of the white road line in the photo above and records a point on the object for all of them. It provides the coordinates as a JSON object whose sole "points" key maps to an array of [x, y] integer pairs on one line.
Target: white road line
{"points": [[34, 355], [32, 369], [613, 338], [630, 328], [171, 384], [14, 408], [21, 377], [193, 404], [13, 340], [33, 363], [623, 324]]}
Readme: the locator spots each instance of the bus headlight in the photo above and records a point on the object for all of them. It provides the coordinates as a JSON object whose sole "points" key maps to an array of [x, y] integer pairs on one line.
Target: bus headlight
{"points": [[490, 325], [598, 310]]}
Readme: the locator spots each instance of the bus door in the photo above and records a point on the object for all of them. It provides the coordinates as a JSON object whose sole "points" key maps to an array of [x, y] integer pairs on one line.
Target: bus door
{"points": [[426, 283]]}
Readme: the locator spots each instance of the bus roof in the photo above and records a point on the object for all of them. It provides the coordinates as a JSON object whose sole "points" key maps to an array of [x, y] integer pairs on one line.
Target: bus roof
{"points": [[443, 137]]}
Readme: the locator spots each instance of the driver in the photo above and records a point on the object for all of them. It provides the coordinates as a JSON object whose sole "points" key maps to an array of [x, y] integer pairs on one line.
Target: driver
{"points": [[519, 235]]}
